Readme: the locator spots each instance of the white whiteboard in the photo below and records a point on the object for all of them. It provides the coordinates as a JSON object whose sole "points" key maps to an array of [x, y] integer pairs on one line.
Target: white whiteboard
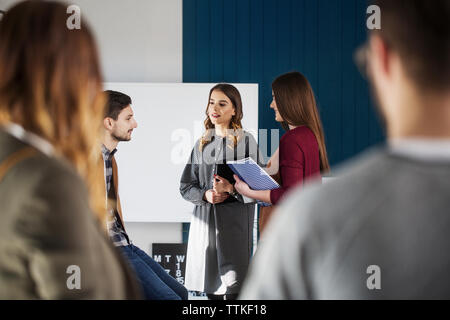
{"points": [[170, 120]]}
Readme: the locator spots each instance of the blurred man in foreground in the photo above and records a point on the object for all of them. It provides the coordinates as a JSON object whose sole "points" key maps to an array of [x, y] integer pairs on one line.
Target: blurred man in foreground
{"points": [[379, 231]]}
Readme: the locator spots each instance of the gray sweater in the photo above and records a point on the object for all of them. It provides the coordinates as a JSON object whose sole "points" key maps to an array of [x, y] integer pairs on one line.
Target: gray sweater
{"points": [[380, 231]]}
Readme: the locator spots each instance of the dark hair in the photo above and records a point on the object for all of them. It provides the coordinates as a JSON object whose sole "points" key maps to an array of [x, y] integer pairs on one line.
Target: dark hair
{"points": [[419, 31], [117, 101], [297, 106]]}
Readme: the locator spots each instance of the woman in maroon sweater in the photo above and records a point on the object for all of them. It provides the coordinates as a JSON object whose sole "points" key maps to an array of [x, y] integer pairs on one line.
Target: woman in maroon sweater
{"points": [[302, 152], [299, 160]]}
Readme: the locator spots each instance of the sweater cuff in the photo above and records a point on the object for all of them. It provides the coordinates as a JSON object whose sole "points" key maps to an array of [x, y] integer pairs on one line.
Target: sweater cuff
{"points": [[275, 195]]}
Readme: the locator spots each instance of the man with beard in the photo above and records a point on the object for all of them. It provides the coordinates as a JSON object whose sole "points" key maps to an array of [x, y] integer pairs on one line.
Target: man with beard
{"points": [[380, 230], [119, 124]]}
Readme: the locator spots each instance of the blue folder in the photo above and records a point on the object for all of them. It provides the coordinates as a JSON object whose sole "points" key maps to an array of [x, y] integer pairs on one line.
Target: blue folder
{"points": [[252, 174]]}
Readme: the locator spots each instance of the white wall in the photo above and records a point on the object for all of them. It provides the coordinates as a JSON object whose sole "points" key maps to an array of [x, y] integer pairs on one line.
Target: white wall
{"points": [[139, 41], [5, 4], [143, 234]]}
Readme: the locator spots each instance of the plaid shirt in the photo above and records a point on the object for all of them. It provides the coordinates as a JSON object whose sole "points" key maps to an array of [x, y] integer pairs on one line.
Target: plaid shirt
{"points": [[116, 232]]}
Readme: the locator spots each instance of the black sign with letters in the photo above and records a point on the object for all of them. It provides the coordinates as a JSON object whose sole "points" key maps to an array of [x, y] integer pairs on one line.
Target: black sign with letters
{"points": [[172, 257]]}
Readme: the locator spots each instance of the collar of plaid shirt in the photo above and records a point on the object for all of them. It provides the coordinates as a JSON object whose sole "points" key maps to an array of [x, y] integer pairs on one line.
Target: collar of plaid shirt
{"points": [[107, 155]]}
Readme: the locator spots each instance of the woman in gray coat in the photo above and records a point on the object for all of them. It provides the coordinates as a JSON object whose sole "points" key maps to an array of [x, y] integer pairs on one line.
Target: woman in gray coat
{"points": [[221, 230]]}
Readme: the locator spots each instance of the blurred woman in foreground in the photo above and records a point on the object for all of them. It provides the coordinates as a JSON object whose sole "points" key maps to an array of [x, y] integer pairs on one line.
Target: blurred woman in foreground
{"points": [[51, 107]]}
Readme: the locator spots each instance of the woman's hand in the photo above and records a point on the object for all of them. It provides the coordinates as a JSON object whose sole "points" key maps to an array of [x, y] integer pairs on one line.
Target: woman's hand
{"points": [[242, 187], [213, 197], [221, 186]]}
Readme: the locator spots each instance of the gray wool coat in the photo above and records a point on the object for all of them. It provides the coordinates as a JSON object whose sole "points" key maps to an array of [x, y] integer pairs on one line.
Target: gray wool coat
{"points": [[220, 235]]}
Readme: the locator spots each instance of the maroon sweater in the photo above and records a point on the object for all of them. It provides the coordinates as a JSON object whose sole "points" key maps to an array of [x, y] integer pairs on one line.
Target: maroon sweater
{"points": [[299, 160]]}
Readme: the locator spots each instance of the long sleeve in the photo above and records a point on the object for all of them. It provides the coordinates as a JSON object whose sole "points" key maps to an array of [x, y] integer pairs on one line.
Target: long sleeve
{"points": [[58, 234], [287, 246], [190, 188], [291, 168]]}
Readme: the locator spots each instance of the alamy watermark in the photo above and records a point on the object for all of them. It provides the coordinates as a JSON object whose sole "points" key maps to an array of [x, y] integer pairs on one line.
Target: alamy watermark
{"points": [[374, 280], [74, 20], [182, 142], [74, 280], [374, 20]]}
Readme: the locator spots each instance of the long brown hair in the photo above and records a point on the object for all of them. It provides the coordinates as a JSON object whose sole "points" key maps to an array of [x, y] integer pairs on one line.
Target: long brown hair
{"points": [[235, 97], [297, 106], [51, 85]]}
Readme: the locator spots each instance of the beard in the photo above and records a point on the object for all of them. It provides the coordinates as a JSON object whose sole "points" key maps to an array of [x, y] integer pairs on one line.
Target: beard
{"points": [[124, 137]]}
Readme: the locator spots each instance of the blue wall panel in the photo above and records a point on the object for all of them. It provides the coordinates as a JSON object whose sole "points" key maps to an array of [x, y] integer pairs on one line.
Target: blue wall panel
{"points": [[217, 40], [257, 40]]}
